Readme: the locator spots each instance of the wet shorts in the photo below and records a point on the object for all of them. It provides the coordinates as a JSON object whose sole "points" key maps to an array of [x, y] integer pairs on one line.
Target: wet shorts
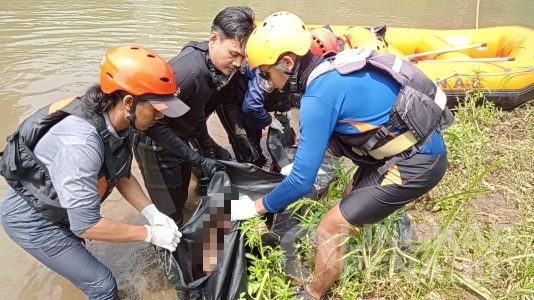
{"points": [[375, 196]]}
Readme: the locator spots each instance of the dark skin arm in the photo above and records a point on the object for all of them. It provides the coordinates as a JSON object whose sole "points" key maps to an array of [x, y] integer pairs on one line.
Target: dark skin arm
{"points": [[118, 232]]}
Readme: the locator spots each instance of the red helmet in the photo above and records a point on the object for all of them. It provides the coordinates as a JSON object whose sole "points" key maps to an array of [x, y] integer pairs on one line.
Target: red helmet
{"points": [[324, 42], [136, 70]]}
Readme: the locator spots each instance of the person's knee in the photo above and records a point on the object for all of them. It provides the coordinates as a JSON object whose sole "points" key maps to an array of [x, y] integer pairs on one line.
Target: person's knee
{"points": [[104, 288], [333, 226]]}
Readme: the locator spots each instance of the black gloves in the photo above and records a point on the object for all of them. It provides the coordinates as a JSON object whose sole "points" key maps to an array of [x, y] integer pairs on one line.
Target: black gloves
{"points": [[209, 166], [165, 137], [243, 149], [210, 148], [220, 153]]}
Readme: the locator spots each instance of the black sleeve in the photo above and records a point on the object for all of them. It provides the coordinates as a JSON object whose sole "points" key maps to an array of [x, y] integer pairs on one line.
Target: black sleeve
{"points": [[165, 137]]}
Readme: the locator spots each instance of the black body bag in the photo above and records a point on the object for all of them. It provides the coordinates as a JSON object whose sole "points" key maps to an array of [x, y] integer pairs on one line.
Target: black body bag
{"points": [[210, 233]]}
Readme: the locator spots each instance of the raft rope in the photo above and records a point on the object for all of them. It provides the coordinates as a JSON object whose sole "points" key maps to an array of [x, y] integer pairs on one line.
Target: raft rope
{"points": [[481, 59], [454, 74]]}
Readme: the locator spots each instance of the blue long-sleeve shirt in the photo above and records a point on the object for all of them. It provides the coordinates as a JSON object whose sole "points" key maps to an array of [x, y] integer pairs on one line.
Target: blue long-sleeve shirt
{"points": [[254, 102], [347, 104]]}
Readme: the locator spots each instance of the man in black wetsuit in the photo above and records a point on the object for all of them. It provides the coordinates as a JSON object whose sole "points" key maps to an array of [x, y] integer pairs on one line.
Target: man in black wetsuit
{"points": [[208, 74]]}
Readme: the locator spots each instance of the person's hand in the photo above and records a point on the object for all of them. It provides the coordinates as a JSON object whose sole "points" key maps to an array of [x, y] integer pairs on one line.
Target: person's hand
{"points": [[244, 151], [223, 154], [163, 236], [156, 218], [242, 209], [286, 170], [275, 124], [217, 152], [209, 166]]}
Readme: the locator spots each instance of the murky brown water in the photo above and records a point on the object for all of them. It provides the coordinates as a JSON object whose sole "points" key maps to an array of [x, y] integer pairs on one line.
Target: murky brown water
{"points": [[52, 49]]}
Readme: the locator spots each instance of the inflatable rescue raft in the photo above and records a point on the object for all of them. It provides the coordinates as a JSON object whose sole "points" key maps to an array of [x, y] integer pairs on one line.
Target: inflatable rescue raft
{"points": [[497, 60]]}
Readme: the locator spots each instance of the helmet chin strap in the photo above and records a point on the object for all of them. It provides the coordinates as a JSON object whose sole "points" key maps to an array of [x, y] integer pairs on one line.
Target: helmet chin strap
{"points": [[293, 78], [291, 85], [131, 115]]}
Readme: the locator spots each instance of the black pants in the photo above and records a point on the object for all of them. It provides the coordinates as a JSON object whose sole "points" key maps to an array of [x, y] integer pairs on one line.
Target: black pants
{"points": [[166, 177]]}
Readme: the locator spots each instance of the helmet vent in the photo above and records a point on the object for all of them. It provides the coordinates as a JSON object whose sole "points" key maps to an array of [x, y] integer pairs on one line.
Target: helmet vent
{"points": [[109, 75], [164, 79], [151, 55]]}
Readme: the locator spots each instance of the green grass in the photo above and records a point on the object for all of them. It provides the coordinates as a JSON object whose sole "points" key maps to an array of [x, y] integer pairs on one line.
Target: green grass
{"points": [[479, 241]]}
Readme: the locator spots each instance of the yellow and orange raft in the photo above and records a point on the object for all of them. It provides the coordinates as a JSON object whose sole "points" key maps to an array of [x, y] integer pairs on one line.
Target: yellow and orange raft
{"points": [[500, 60]]}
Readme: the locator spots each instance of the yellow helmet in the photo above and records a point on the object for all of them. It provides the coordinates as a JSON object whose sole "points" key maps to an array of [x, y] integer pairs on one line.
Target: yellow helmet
{"points": [[279, 33]]}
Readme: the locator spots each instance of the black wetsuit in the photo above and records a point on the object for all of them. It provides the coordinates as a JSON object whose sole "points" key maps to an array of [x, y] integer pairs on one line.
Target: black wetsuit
{"points": [[163, 153]]}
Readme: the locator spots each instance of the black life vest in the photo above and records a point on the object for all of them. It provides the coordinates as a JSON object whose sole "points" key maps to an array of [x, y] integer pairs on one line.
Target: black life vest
{"points": [[418, 111], [29, 177]]}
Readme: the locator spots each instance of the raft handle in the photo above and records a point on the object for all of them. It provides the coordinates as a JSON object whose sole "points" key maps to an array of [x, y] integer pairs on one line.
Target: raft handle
{"points": [[415, 56], [480, 59]]}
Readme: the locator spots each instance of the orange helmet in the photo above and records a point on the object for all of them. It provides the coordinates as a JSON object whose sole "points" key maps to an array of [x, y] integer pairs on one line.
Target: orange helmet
{"points": [[324, 41], [136, 70]]}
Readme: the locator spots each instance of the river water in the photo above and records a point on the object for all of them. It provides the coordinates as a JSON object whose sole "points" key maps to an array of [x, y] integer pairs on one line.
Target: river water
{"points": [[51, 49]]}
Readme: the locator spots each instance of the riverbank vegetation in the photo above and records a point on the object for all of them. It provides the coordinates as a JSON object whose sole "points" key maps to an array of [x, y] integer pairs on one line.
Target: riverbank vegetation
{"points": [[471, 237]]}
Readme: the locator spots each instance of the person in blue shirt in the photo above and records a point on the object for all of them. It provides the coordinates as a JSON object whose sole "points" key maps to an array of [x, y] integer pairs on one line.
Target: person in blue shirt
{"points": [[341, 112], [261, 98]]}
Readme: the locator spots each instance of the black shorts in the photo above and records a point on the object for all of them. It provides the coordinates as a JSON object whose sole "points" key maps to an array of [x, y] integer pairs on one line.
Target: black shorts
{"points": [[375, 196]]}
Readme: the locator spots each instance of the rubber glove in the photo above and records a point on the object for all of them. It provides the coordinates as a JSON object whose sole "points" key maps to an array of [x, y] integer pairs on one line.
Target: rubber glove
{"points": [[156, 218], [222, 154], [243, 150], [286, 170], [163, 236], [275, 124], [209, 166], [242, 209], [210, 148], [206, 165]]}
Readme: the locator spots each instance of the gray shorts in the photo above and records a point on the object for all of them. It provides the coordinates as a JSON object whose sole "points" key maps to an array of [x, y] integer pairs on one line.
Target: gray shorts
{"points": [[375, 196]]}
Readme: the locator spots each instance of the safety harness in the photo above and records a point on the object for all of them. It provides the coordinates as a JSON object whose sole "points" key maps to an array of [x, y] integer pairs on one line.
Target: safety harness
{"points": [[419, 110], [30, 178]]}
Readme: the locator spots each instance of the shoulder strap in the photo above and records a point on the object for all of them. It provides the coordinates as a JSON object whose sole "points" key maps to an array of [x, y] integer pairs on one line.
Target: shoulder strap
{"points": [[81, 108]]}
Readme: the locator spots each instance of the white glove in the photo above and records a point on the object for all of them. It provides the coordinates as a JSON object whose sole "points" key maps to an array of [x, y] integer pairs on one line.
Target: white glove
{"points": [[156, 218], [286, 170], [242, 209], [163, 236], [275, 124]]}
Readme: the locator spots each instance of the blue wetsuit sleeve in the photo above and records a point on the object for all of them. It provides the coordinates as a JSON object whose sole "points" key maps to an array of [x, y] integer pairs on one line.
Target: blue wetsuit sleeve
{"points": [[254, 103], [317, 121]]}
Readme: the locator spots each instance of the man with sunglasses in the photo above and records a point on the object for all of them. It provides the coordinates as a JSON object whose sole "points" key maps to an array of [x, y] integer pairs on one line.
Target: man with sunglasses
{"points": [[346, 108], [208, 74]]}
